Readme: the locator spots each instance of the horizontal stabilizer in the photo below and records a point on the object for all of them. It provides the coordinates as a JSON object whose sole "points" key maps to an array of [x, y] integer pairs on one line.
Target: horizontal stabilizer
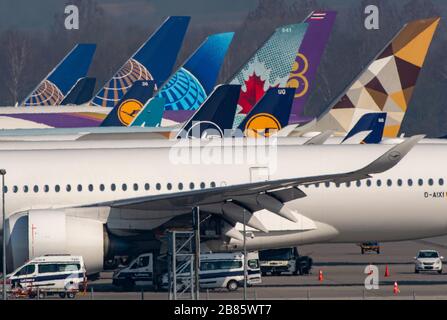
{"points": [[319, 139]]}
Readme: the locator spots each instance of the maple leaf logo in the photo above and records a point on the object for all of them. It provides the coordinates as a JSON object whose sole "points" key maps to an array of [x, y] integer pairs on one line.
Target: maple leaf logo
{"points": [[254, 91]]}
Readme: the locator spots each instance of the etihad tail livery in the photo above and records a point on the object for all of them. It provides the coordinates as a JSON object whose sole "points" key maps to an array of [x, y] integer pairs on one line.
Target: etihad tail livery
{"points": [[373, 124], [81, 92], [151, 115], [269, 67], [308, 59], [154, 60], [130, 104], [215, 115], [188, 88], [52, 90], [270, 114], [387, 84]]}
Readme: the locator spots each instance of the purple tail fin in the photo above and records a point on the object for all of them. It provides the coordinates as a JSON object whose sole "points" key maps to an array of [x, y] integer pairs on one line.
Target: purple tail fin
{"points": [[308, 59]]}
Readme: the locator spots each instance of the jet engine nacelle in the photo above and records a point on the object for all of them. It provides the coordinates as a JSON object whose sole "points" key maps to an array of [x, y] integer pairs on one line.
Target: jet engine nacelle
{"points": [[38, 232]]}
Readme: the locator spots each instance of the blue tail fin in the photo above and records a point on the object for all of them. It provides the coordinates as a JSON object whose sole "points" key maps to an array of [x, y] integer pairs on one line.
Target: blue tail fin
{"points": [[53, 89], [188, 88], [215, 115], [270, 114], [151, 114], [130, 105], [374, 122], [154, 60], [81, 92]]}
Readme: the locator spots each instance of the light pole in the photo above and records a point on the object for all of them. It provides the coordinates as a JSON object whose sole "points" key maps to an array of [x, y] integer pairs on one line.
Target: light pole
{"points": [[2, 173], [245, 259]]}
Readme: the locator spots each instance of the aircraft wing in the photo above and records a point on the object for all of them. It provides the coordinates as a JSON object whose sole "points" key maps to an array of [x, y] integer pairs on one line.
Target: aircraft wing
{"points": [[280, 191]]}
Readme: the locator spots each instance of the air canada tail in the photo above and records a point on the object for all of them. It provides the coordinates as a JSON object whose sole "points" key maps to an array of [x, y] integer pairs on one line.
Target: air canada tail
{"points": [[270, 114], [154, 60], [81, 92], [53, 89], [269, 67], [215, 115], [308, 59], [151, 114], [387, 84], [373, 122], [188, 88], [130, 105]]}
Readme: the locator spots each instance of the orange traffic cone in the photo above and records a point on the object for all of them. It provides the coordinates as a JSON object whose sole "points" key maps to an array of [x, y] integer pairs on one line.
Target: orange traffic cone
{"points": [[387, 271], [396, 289], [320, 275]]}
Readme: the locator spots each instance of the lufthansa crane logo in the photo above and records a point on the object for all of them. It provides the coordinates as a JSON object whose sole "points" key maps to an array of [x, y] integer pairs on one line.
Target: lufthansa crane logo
{"points": [[128, 110], [262, 124]]}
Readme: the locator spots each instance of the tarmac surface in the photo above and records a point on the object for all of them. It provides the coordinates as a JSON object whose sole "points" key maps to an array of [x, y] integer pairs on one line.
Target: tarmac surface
{"points": [[343, 270]]}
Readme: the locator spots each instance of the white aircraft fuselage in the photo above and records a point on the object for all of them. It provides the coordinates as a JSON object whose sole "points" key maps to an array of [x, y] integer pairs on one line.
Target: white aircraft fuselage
{"points": [[66, 174]]}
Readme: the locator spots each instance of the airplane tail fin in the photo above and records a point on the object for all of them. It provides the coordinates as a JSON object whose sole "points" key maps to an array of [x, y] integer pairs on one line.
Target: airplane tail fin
{"points": [[81, 92], [215, 115], [154, 60], [270, 114], [55, 86], [151, 114], [188, 88], [387, 84], [269, 67], [308, 59], [373, 122], [130, 104]]}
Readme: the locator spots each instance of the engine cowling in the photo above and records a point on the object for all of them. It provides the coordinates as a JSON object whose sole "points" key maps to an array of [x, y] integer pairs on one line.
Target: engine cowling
{"points": [[35, 233]]}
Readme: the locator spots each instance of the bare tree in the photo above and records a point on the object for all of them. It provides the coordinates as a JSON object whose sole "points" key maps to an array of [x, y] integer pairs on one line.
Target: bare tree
{"points": [[17, 48]]}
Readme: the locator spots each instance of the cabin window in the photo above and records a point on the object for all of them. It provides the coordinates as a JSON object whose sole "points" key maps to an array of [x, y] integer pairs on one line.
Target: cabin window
{"points": [[158, 186], [399, 182], [68, 188], [135, 186], [5, 189], [358, 183], [169, 186], [213, 184], [389, 182], [441, 181], [420, 182], [124, 187], [327, 184], [180, 186], [46, 188], [410, 182], [379, 182], [79, 187], [430, 182], [348, 184], [25, 189], [202, 185], [15, 189], [146, 186], [90, 187], [191, 185], [368, 183], [102, 187], [113, 187]]}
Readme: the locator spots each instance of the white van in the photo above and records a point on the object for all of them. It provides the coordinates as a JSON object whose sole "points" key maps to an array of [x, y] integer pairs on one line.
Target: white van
{"points": [[139, 272], [221, 270], [51, 274]]}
